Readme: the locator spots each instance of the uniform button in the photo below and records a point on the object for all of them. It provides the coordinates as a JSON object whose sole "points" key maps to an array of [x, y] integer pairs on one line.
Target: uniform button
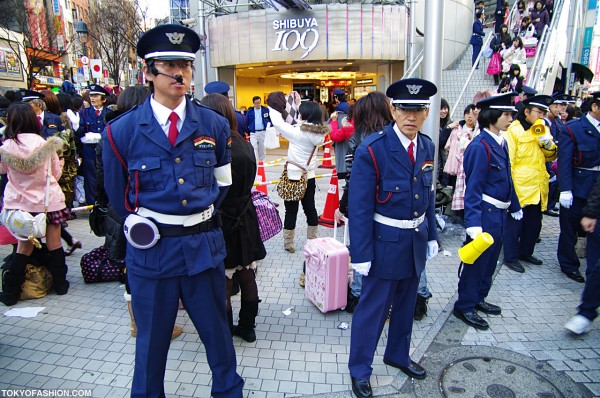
{"points": [[208, 162], [417, 196], [489, 210], [397, 188], [184, 202], [415, 179], [143, 167], [181, 181], [416, 214], [177, 160], [416, 229]]}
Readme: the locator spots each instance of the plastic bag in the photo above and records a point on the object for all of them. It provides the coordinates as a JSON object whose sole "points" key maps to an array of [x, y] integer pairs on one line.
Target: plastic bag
{"points": [[271, 139]]}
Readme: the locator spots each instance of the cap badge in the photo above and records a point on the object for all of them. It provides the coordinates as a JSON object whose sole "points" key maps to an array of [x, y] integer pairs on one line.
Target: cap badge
{"points": [[413, 89], [175, 38]]}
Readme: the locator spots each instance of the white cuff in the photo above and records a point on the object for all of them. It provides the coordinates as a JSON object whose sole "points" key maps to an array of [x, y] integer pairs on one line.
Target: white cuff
{"points": [[223, 175]]}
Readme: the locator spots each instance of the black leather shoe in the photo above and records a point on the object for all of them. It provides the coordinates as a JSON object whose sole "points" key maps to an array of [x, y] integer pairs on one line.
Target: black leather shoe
{"points": [[413, 370], [531, 259], [361, 388], [575, 275], [488, 308], [515, 266], [551, 213], [472, 319]]}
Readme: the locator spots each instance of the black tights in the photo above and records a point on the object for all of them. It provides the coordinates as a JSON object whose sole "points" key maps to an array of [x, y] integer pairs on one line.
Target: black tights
{"points": [[308, 205], [247, 280]]}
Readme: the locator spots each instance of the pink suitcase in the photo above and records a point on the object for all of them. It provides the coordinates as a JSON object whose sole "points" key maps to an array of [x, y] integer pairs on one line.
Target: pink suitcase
{"points": [[326, 276]]}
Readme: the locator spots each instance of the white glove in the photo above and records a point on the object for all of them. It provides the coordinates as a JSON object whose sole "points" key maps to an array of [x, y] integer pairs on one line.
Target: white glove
{"points": [[432, 249], [473, 231], [91, 138], [566, 199], [362, 268], [517, 215], [545, 141]]}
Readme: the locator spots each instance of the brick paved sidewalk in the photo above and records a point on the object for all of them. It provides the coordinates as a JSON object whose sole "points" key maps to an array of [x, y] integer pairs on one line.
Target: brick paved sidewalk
{"points": [[81, 340]]}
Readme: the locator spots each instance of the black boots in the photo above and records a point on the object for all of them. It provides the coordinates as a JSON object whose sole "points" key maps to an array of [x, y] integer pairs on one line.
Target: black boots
{"points": [[420, 308], [245, 327], [58, 270], [13, 278]]}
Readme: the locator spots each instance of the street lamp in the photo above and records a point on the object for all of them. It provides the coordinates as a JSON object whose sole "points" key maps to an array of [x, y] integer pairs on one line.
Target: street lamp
{"points": [[82, 31]]}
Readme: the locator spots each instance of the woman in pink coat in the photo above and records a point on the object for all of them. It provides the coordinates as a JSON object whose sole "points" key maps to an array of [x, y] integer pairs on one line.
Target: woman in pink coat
{"points": [[25, 156]]}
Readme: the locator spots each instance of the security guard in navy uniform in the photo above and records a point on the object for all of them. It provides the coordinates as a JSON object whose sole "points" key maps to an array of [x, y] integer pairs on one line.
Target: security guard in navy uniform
{"points": [[177, 170], [219, 87], [392, 205], [554, 115], [340, 96], [489, 196], [92, 120], [578, 169], [526, 92], [51, 123]]}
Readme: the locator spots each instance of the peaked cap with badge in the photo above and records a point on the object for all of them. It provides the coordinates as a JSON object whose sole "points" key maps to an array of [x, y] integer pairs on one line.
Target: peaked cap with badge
{"points": [[503, 102], [539, 101], [529, 91], [28, 95], [96, 89], [169, 42], [411, 93], [558, 98], [337, 91], [217, 87]]}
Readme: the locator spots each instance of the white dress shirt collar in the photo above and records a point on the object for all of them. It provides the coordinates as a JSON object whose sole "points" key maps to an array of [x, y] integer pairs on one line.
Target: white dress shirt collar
{"points": [[405, 141], [497, 137], [162, 113], [593, 121]]}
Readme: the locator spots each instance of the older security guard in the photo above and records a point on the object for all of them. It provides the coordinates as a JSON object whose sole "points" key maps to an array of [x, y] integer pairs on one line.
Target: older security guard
{"points": [[176, 171], [392, 205], [489, 194], [578, 169]]}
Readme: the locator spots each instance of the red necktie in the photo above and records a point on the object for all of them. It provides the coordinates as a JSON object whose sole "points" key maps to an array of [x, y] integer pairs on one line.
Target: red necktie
{"points": [[97, 112], [40, 121], [411, 153], [173, 132]]}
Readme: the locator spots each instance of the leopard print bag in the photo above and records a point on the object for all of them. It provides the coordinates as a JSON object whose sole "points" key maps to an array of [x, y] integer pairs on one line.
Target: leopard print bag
{"points": [[291, 190]]}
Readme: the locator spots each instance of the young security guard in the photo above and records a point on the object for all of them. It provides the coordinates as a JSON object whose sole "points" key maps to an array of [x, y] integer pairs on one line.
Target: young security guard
{"points": [[174, 171], [489, 196], [392, 206]]}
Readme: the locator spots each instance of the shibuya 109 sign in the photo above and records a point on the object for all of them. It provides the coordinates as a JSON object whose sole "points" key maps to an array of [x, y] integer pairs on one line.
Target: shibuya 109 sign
{"points": [[294, 33]]}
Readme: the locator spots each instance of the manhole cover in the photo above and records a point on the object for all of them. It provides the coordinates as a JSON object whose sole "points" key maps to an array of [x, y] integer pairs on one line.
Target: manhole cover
{"points": [[483, 377]]}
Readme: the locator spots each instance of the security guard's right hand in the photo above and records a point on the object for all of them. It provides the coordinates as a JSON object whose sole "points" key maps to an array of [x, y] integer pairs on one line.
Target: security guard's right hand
{"points": [[566, 199], [473, 232]]}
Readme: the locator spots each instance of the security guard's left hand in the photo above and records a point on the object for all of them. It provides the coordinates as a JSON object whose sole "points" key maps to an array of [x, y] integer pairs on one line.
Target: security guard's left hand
{"points": [[517, 215], [545, 141], [432, 249]]}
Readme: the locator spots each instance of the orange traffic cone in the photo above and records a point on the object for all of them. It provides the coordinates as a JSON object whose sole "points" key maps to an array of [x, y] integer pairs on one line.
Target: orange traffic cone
{"points": [[331, 203], [327, 156], [261, 177]]}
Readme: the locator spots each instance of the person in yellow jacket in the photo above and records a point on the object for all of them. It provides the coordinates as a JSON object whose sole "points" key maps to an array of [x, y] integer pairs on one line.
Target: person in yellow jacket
{"points": [[528, 151]]}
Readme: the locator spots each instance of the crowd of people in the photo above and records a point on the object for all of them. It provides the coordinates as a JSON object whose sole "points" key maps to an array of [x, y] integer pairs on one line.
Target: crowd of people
{"points": [[182, 172]]}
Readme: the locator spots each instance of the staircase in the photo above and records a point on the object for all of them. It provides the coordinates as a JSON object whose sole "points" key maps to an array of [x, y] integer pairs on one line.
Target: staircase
{"points": [[454, 77]]}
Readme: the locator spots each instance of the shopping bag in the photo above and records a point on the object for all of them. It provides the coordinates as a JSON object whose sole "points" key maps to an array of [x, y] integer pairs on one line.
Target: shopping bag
{"points": [[495, 65], [271, 139]]}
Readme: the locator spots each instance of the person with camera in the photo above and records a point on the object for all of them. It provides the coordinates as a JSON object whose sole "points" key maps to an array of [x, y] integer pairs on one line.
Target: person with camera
{"points": [[33, 169]]}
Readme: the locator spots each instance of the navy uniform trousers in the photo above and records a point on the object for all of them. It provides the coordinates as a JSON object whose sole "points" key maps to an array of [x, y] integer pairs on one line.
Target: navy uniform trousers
{"points": [[569, 227], [590, 298], [402, 296], [476, 279], [520, 235], [155, 306]]}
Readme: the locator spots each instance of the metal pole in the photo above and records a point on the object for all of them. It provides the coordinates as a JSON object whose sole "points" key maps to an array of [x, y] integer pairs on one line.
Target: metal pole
{"points": [[411, 32], [432, 66], [570, 43], [201, 81]]}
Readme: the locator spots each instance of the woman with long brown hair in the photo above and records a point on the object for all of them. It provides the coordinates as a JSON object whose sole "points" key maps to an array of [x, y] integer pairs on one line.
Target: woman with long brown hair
{"points": [[240, 224]]}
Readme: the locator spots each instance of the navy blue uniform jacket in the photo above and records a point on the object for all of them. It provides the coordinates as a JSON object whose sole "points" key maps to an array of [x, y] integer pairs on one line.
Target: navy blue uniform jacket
{"points": [[394, 253], [586, 154], [487, 175], [176, 180]]}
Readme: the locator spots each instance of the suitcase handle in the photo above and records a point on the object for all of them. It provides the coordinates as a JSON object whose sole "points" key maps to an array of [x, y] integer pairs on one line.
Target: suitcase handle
{"points": [[335, 227]]}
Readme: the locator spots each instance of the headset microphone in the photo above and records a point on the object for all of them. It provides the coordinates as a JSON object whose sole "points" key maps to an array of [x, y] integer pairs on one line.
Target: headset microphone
{"points": [[156, 72]]}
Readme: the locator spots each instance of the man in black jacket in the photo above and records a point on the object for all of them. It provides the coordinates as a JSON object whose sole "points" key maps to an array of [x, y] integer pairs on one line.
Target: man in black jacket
{"points": [[590, 298]]}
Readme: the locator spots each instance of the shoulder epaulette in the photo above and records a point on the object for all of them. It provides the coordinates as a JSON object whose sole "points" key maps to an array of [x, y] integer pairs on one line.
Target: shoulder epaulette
{"points": [[374, 137], [196, 102], [425, 136]]}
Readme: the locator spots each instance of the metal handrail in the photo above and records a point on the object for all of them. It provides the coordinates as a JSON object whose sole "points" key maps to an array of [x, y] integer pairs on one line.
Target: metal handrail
{"points": [[486, 43], [533, 71], [412, 69]]}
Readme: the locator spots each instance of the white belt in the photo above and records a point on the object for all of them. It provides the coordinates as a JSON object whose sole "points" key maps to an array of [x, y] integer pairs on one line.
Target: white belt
{"points": [[495, 202], [595, 168], [186, 221], [404, 224]]}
